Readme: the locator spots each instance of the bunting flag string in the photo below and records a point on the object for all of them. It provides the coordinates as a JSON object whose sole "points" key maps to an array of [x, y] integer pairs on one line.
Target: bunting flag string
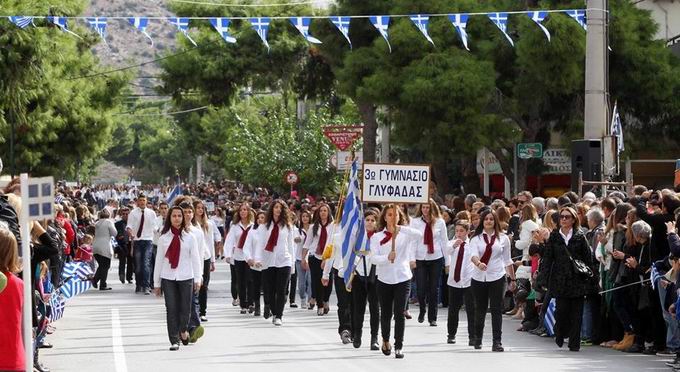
{"points": [[381, 23], [538, 17], [459, 21], [182, 25], [421, 22], [21, 22], [579, 15], [222, 27], [501, 21], [98, 24], [261, 26], [140, 23], [62, 23], [342, 23], [302, 24]]}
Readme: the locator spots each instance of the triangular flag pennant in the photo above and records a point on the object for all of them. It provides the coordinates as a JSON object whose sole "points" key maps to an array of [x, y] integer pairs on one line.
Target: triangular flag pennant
{"points": [[62, 24], [459, 21], [222, 27], [140, 23], [501, 21], [21, 22], [579, 15], [381, 23], [421, 22], [538, 17], [302, 24], [342, 23], [261, 26], [99, 25], [182, 25]]}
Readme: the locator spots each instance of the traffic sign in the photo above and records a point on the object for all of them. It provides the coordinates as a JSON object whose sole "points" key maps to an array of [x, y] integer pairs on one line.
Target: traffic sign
{"points": [[342, 136], [530, 150], [291, 178]]}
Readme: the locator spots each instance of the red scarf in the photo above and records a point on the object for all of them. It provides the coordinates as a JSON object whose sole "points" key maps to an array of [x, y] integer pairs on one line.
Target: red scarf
{"points": [[487, 252], [244, 235], [172, 254], [323, 237], [273, 238], [459, 262], [387, 238], [428, 238]]}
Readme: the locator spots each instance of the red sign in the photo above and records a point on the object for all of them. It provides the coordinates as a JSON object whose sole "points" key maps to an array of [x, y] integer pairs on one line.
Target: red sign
{"points": [[291, 178], [343, 136]]}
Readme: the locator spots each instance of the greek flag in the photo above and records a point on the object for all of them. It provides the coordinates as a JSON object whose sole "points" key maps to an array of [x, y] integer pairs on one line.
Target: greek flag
{"points": [[62, 24], [74, 287], [75, 269], [302, 24], [140, 23], [59, 199], [222, 27], [459, 21], [261, 26], [617, 129], [352, 231], [182, 25], [501, 21], [549, 321], [342, 23], [579, 15], [381, 23], [421, 22], [99, 25], [538, 17], [57, 306], [655, 276], [177, 191], [21, 22]]}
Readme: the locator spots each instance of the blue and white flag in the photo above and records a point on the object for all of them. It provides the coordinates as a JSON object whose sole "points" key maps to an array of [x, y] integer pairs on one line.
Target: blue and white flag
{"points": [[62, 24], [176, 191], [616, 129], [58, 199], [501, 21], [182, 25], [74, 287], [261, 26], [459, 21], [421, 22], [141, 23], [222, 27], [57, 306], [579, 15], [99, 25], [302, 24], [75, 269], [655, 277], [382, 23], [538, 17], [342, 23], [21, 22], [549, 321], [352, 231]]}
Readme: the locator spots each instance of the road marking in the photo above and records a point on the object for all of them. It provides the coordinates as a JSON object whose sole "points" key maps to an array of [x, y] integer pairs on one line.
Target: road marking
{"points": [[117, 342]]}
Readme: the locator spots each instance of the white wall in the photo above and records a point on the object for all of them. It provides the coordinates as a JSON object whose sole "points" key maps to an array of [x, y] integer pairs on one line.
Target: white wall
{"points": [[666, 13]]}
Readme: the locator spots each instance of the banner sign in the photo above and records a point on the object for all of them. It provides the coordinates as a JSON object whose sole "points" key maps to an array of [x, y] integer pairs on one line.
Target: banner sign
{"points": [[396, 183], [342, 160], [342, 136]]}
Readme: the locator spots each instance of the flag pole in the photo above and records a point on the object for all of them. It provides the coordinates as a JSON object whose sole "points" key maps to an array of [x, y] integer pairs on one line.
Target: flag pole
{"points": [[328, 250]]}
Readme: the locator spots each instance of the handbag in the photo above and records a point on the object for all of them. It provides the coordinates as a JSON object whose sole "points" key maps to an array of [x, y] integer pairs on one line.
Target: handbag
{"points": [[580, 267]]}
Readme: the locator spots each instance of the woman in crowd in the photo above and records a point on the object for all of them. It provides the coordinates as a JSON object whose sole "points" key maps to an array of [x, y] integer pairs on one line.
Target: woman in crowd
{"points": [[241, 227], [11, 303], [317, 238], [179, 272], [549, 220], [490, 251], [621, 276], [528, 224], [219, 220], [304, 281], [393, 252], [364, 288], [255, 273], [459, 256], [104, 231], [211, 239]]}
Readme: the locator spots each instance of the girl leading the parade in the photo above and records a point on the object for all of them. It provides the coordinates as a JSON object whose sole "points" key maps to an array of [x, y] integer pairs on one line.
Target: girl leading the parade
{"points": [[241, 227], [364, 287], [460, 266]]}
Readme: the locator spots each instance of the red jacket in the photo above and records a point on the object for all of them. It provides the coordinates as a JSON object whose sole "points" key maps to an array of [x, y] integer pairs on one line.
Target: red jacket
{"points": [[11, 301]]}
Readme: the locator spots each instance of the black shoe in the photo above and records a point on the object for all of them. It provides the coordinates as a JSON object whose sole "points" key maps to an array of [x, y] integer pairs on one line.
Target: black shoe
{"points": [[374, 343], [471, 343], [94, 284], [433, 323], [356, 342], [478, 345], [634, 349], [451, 340], [649, 351], [559, 341], [421, 316], [497, 346], [386, 348], [138, 289], [257, 311], [122, 279], [251, 308], [105, 288], [267, 312], [129, 281], [45, 345], [293, 305], [575, 349], [398, 354]]}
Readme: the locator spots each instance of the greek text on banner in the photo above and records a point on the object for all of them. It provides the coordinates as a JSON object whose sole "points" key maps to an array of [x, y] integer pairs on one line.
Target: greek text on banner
{"points": [[396, 183]]}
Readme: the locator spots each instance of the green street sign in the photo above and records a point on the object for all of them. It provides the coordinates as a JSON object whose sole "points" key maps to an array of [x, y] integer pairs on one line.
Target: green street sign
{"points": [[530, 150]]}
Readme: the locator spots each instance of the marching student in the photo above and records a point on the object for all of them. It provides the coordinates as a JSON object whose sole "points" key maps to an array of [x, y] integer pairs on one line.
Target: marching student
{"points": [[429, 258], [241, 226], [393, 252], [317, 238], [304, 282], [178, 272], [490, 250], [364, 288], [255, 273], [211, 238], [334, 267], [460, 267], [274, 253]]}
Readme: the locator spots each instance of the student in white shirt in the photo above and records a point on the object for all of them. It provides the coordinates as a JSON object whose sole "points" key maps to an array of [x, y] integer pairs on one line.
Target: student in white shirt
{"points": [[364, 287], [212, 238], [460, 267], [140, 228], [241, 227], [429, 258], [158, 227], [255, 274], [304, 280], [393, 252], [490, 249], [275, 255], [318, 236], [334, 270], [178, 274]]}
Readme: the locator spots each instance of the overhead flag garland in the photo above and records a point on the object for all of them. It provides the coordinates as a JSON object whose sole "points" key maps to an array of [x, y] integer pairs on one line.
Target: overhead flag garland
{"points": [[261, 24]]}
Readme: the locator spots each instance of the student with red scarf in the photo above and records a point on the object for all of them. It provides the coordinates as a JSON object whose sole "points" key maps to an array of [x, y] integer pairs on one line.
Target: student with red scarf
{"points": [[318, 236], [179, 271]]}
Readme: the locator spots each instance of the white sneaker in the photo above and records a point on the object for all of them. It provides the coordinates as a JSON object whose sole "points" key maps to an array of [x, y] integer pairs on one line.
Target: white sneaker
{"points": [[278, 322]]}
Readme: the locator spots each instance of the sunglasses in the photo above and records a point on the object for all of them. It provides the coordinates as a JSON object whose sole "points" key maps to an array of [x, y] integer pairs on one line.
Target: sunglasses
{"points": [[565, 216]]}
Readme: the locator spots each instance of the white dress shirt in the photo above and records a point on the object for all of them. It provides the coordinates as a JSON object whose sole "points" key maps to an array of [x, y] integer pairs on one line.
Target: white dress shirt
{"points": [[312, 242], [134, 220], [567, 236], [211, 237], [282, 253], [500, 257], [302, 234], [466, 267], [231, 249], [157, 227], [251, 244], [398, 271], [359, 268], [198, 235], [439, 237], [189, 265]]}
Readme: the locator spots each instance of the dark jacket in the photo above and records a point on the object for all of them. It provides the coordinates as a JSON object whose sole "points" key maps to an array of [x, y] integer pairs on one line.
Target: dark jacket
{"points": [[563, 281], [659, 244]]}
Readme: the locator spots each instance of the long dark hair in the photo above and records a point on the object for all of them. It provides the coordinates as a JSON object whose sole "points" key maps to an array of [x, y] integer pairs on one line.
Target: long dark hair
{"points": [[496, 223], [257, 215], [400, 215], [300, 225], [284, 219], [168, 221], [317, 217]]}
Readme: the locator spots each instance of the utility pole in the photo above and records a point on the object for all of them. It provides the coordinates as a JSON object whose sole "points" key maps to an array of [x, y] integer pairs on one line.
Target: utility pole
{"points": [[597, 71]]}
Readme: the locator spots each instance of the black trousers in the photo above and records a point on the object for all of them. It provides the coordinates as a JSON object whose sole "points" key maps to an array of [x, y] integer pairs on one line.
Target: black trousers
{"points": [[392, 298], [275, 280], [364, 290], [154, 248], [203, 292], [428, 275], [319, 292], [102, 270], [255, 287], [458, 296], [569, 313], [488, 294], [344, 303], [235, 283], [241, 275], [126, 264], [292, 285], [177, 295]]}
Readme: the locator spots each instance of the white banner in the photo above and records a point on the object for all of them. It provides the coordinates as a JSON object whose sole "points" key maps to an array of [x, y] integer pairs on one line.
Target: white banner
{"points": [[396, 183], [557, 161], [342, 160]]}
